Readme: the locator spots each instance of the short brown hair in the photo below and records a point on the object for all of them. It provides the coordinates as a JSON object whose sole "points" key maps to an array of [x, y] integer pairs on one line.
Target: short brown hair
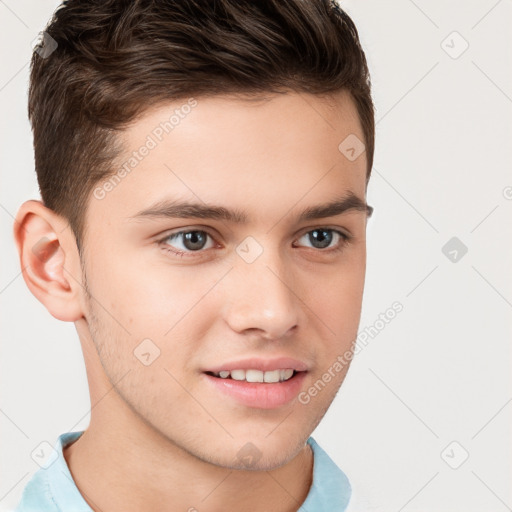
{"points": [[112, 59]]}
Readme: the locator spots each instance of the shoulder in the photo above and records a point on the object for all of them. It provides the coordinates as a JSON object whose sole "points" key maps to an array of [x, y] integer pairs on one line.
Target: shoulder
{"points": [[37, 494], [360, 498], [51, 488], [330, 488]]}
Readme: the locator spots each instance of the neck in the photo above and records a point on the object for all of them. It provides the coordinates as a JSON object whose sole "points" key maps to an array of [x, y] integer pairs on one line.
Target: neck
{"points": [[135, 469]]}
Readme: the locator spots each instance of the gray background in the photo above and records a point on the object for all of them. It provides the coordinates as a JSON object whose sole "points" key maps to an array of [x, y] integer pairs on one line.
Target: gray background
{"points": [[431, 387]]}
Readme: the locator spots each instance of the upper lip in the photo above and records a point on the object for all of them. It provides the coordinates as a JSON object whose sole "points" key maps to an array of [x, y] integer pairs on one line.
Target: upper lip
{"points": [[264, 365]]}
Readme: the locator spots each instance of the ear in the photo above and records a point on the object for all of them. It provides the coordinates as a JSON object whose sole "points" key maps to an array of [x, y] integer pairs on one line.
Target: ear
{"points": [[49, 260]]}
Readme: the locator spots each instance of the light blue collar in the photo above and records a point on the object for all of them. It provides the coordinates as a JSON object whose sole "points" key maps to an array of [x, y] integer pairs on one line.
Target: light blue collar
{"points": [[52, 487]]}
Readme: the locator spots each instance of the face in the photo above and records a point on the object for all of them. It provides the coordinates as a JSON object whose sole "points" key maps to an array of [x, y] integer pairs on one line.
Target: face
{"points": [[185, 301]]}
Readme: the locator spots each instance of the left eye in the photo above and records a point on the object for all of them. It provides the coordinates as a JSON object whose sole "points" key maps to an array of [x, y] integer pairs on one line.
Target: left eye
{"points": [[324, 236], [195, 240]]}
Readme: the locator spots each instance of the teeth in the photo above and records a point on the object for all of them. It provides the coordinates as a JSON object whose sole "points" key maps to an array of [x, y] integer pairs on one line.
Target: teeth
{"points": [[238, 374], [254, 376], [272, 376], [257, 375], [285, 374]]}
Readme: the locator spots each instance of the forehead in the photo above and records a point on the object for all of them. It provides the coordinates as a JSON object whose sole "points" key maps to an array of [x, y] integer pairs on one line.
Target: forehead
{"points": [[262, 153]]}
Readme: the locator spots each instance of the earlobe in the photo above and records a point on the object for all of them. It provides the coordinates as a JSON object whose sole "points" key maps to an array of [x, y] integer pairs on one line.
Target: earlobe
{"points": [[49, 260]]}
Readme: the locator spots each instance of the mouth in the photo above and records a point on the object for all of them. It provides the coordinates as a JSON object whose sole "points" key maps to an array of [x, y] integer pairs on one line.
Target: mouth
{"points": [[253, 375], [255, 388]]}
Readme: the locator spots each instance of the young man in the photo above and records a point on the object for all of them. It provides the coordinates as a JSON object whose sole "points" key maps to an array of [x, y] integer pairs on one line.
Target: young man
{"points": [[203, 168]]}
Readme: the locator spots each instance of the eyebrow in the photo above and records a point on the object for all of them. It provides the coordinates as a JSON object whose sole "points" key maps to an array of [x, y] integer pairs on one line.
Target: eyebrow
{"points": [[183, 210]]}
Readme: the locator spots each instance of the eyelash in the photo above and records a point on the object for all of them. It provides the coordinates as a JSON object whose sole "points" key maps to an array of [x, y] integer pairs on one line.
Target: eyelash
{"points": [[345, 240]]}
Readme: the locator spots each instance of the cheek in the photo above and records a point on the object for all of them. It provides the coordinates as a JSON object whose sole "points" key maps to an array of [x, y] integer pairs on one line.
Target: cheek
{"points": [[169, 306], [142, 292], [339, 291], [336, 302]]}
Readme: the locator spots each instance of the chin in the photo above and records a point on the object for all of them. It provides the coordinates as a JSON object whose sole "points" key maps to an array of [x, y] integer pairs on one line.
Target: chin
{"points": [[261, 452]]}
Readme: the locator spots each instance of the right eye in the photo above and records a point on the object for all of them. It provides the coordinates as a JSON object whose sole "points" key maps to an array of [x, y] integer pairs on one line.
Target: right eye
{"points": [[191, 241]]}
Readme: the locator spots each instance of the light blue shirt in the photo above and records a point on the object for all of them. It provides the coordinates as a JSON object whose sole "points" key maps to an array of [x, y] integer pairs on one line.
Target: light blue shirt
{"points": [[52, 489]]}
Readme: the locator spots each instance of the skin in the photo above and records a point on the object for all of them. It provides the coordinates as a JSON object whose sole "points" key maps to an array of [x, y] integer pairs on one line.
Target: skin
{"points": [[158, 434]]}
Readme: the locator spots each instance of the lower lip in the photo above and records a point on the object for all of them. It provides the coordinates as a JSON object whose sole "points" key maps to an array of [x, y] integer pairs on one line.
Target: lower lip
{"points": [[262, 395]]}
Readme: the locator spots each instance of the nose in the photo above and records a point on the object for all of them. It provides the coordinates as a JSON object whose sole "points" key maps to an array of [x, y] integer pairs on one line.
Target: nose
{"points": [[261, 297]]}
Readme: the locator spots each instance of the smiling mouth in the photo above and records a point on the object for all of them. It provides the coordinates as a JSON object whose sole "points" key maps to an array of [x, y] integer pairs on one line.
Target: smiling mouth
{"points": [[268, 377]]}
